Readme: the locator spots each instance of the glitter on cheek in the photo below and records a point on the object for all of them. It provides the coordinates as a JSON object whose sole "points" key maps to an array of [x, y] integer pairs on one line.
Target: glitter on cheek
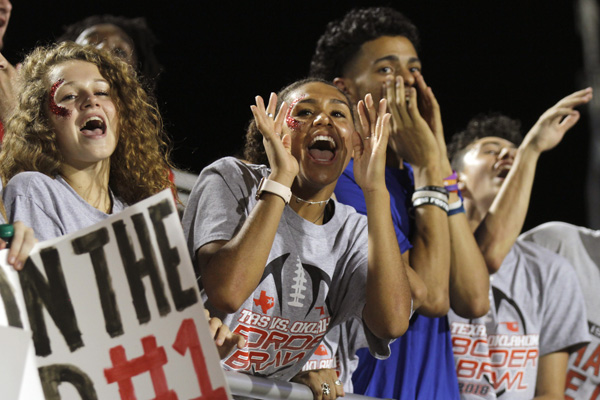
{"points": [[292, 122], [55, 108]]}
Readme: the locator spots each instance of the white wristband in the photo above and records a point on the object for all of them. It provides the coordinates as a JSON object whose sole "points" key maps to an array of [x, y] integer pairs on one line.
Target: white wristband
{"points": [[456, 205], [429, 193], [276, 188]]}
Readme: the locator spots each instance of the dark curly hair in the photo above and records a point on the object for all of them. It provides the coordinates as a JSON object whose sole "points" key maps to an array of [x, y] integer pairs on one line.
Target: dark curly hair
{"points": [[139, 166], [138, 31], [254, 151], [343, 38], [481, 126]]}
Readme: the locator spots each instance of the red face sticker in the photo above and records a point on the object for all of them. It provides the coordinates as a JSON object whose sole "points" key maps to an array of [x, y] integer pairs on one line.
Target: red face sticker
{"points": [[55, 108], [292, 122]]}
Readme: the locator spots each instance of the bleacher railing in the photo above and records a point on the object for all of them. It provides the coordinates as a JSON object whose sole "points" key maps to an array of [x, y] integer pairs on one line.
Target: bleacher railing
{"points": [[270, 389]]}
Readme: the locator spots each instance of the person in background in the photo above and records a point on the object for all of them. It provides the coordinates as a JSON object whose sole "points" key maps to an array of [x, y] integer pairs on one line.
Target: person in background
{"points": [[581, 246], [375, 50], [519, 350], [95, 145], [280, 261], [130, 39]]}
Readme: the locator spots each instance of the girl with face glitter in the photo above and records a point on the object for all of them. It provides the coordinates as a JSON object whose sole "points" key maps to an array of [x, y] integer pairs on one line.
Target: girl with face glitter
{"points": [[84, 141], [280, 261]]}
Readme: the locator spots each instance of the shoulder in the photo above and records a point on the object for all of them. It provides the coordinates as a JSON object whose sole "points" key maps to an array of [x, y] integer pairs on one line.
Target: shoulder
{"points": [[28, 183], [347, 219], [555, 231], [232, 165], [30, 177], [229, 174], [540, 260]]}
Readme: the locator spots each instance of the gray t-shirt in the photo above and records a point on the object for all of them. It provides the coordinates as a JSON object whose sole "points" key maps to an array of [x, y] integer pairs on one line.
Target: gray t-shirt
{"points": [[50, 206], [314, 278], [581, 246], [338, 351], [536, 308]]}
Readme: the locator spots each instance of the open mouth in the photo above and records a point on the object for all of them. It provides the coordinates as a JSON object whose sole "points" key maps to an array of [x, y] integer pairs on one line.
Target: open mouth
{"points": [[322, 148], [93, 126], [503, 171]]}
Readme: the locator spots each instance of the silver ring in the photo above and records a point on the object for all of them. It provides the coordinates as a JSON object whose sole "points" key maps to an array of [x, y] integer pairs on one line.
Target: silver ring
{"points": [[325, 388], [269, 115], [367, 138], [338, 382]]}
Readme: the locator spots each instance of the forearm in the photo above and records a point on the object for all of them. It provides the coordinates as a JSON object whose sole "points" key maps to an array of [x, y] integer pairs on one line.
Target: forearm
{"points": [[469, 277], [503, 222], [417, 286], [430, 255], [388, 293], [231, 271], [551, 376]]}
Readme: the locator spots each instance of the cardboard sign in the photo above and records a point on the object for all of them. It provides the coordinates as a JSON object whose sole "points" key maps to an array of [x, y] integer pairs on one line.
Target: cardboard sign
{"points": [[114, 311]]}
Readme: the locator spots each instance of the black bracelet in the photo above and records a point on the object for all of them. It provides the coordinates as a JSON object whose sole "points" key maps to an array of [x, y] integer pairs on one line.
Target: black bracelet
{"points": [[439, 189]]}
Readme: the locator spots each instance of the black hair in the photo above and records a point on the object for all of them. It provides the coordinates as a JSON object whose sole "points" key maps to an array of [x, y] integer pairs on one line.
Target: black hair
{"points": [[481, 126], [343, 38]]}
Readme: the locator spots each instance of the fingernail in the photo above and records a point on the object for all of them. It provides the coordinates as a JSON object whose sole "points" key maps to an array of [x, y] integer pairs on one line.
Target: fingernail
{"points": [[18, 265], [11, 260]]}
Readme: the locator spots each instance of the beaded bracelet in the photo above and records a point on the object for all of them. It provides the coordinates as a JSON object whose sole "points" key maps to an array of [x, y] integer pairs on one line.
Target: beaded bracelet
{"points": [[451, 182]]}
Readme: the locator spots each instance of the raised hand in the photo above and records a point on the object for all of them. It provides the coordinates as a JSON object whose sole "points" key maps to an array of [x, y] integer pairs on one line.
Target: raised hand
{"points": [[552, 125], [284, 167], [411, 138], [430, 110], [370, 149]]}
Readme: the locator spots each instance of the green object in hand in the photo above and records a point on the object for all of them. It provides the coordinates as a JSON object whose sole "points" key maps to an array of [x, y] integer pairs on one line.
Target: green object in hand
{"points": [[6, 233]]}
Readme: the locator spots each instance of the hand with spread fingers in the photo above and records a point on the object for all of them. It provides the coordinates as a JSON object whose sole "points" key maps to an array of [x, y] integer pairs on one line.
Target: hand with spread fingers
{"points": [[284, 166], [22, 242], [411, 137], [324, 383], [430, 110], [370, 148], [552, 125], [8, 96], [225, 340]]}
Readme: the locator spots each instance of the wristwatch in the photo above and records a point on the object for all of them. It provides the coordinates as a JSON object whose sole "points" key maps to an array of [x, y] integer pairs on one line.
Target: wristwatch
{"points": [[276, 188]]}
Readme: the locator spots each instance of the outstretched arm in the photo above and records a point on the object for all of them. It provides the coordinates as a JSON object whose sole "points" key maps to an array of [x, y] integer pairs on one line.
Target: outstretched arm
{"points": [[231, 270], [504, 220], [413, 141], [469, 278], [388, 294]]}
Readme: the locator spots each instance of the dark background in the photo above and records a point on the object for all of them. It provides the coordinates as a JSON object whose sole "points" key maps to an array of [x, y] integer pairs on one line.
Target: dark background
{"points": [[518, 57]]}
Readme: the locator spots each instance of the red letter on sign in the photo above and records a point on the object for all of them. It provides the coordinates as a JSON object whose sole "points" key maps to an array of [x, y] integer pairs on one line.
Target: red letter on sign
{"points": [[187, 338], [152, 361]]}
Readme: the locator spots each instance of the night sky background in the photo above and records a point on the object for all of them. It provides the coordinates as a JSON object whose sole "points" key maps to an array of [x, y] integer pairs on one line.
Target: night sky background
{"points": [[518, 57]]}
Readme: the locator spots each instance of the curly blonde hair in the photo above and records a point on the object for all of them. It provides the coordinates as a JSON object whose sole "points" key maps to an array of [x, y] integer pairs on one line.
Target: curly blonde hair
{"points": [[139, 166]]}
